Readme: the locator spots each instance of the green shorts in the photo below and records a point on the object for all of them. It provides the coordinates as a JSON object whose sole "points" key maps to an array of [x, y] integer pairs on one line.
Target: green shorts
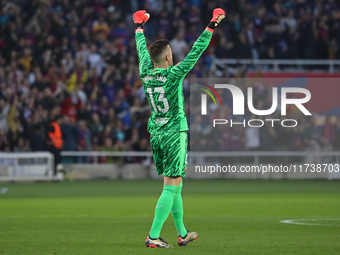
{"points": [[170, 153]]}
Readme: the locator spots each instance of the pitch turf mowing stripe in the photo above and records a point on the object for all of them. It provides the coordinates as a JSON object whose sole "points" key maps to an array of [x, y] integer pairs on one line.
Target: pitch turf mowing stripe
{"points": [[114, 217]]}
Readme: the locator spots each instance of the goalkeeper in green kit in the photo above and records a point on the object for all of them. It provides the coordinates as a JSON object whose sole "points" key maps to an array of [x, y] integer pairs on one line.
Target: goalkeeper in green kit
{"points": [[167, 124]]}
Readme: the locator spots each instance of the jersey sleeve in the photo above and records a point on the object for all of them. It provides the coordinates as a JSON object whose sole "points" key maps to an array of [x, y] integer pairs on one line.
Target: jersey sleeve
{"points": [[196, 51], [143, 53]]}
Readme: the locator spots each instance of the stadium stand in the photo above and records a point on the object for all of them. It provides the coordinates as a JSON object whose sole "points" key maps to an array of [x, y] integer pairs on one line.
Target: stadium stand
{"points": [[77, 59]]}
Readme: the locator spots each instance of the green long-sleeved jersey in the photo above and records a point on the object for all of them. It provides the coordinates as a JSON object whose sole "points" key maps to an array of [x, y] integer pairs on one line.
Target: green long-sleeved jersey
{"points": [[163, 87]]}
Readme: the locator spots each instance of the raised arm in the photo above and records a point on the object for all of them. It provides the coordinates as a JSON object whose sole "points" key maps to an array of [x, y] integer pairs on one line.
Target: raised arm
{"points": [[199, 46], [143, 53], [145, 63]]}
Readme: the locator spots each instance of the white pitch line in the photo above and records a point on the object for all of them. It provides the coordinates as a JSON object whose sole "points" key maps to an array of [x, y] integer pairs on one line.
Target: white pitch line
{"points": [[300, 222]]}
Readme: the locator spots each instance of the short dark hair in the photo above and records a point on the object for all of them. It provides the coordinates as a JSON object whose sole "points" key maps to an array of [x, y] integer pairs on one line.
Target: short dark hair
{"points": [[156, 49]]}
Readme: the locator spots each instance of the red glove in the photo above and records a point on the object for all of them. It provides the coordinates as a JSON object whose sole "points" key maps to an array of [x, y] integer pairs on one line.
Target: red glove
{"points": [[218, 15], [141, 17]]}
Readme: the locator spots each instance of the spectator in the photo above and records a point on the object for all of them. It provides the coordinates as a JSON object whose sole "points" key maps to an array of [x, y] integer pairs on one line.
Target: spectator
{"points": [[84, 140], [252, 136], [100, 27], [107, 147], [22, 146], [69, 132], [243, 49], [4, 109], [179, 47], [96, 127], [95, 60], [54, 139]]}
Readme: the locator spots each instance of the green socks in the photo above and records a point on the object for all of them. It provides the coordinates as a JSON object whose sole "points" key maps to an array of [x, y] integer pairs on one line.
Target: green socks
{"points": [[177, 213], [163, 208]]}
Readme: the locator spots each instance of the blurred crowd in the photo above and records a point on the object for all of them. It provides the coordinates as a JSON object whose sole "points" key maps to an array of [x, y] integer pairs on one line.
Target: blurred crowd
{"points": [[77, 60]]}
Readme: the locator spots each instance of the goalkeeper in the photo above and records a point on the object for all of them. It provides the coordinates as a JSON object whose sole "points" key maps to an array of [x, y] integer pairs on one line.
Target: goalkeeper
{"points": [[167, 124]]}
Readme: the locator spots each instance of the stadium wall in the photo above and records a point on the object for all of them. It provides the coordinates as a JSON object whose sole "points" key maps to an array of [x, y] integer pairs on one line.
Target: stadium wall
{"points": [[138, 171]]}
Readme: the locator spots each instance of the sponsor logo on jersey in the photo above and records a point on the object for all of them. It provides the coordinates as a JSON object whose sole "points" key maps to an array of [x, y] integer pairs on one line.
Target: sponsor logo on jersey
{"points": [[161, 121]]}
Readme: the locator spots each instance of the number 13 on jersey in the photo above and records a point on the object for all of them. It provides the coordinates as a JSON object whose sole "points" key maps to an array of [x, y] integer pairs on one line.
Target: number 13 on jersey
{"points": [[161, 98]]}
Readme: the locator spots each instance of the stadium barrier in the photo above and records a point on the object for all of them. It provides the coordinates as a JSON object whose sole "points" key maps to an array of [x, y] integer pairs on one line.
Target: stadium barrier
{"points": [[275, 64], [30, 166], [38, 166], [296, 164]]}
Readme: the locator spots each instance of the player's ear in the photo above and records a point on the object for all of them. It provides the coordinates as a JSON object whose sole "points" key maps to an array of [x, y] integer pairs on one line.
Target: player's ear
{"points": [[167, 58]]}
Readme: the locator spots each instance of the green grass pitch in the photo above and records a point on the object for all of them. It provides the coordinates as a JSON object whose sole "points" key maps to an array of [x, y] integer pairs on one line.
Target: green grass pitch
{"points": [[114, 217]]}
